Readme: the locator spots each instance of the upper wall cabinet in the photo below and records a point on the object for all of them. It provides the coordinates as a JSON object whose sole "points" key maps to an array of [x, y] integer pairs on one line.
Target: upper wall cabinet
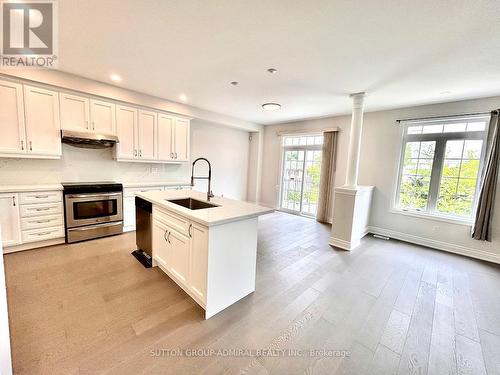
{"points": [[126, 130], [75, 112], [181, 137], [43, 128], [165, 133], [147, 134], [87, 115], [30, 122], [13, 139], [102, 116]]}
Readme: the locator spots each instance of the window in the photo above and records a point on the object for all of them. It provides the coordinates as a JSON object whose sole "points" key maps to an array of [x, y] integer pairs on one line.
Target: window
{"points": [[440, 165]]}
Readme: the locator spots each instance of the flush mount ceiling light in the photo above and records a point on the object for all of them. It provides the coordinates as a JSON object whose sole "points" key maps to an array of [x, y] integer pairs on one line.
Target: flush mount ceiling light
{"points": [[272, 70], [115, 77], [271, 106], [183, 97]]}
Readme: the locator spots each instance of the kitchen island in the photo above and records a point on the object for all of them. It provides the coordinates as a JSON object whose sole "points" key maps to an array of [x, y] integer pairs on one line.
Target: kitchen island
{"points": [[210, 252]]}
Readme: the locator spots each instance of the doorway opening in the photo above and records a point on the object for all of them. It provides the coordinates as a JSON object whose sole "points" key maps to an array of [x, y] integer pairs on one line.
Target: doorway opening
{"points": [[300, 174]]}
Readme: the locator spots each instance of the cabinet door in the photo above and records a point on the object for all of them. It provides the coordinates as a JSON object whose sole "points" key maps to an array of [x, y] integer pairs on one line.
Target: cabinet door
{"points": [[147, 131], [126, 130], [12, 118], [43, 128], [74, 112], [102, 117], [198, 261], [9, 220], [129, 213], [165, 132], [181, 139], [160, 244], [178, 261]]}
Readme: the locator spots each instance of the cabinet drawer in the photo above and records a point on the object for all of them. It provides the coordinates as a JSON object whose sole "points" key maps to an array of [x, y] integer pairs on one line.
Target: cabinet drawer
{"points": [[28, 223], [176, 222], [130, 192], [42, 209], [42, 234], [40, 197]]}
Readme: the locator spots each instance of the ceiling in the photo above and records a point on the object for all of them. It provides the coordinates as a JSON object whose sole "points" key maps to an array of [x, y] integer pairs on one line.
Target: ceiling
{"points": [[401, 52]]}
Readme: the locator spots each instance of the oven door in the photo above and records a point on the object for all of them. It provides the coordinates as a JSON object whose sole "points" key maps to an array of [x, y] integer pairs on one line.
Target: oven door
{"points": [[86, 209]]}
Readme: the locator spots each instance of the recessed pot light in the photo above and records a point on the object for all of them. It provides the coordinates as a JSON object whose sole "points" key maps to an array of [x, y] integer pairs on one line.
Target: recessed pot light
{"points": [[271, 106], [115, 77], [272, 70], [234, 83], [183, 97]]}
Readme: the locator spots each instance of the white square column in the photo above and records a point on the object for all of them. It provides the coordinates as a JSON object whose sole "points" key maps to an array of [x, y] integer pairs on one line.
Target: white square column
{"points": [[351, 212], [351, 203]]}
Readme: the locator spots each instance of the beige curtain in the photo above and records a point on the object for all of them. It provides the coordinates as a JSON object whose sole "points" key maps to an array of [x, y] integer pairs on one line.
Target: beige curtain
{"points": [[484, 215], [327, 170]]}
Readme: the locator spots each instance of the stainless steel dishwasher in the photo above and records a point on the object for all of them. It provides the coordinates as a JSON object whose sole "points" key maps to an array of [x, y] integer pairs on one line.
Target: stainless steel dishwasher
{"points": [[143, 232]]}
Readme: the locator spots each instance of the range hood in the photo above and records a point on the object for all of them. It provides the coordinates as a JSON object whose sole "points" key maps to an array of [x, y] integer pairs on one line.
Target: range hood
{"points": [[88, 140]]}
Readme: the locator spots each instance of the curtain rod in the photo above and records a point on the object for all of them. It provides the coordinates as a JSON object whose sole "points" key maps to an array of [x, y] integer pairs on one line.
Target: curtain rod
{"points": [[449, 116], [306, 131]]}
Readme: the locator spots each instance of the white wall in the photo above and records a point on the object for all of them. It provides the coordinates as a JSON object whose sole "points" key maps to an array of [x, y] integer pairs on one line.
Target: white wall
{"points": [[380, 148], [271, 169], [225, 147]]}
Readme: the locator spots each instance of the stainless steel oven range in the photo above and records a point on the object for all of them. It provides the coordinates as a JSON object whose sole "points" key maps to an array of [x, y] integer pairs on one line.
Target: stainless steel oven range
{"points": [[92, 210]]}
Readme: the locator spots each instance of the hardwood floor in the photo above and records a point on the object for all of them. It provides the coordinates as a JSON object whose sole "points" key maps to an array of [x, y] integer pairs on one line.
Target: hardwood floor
{"points": [[387, 307]]}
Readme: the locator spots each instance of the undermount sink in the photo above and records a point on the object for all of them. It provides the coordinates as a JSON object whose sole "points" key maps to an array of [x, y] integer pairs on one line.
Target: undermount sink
{"points": [[192, 204]]}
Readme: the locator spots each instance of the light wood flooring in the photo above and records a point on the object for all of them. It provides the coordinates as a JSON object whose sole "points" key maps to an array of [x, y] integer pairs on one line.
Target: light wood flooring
{"points": [[91, 308]]}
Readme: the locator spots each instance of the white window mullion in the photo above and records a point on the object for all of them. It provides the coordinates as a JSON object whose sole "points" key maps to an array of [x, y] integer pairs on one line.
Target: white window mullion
{"points": [[437, 167]]}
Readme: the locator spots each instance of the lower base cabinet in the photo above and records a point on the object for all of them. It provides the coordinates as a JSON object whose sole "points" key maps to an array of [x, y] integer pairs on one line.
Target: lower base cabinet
{"points": [[184, 258]]}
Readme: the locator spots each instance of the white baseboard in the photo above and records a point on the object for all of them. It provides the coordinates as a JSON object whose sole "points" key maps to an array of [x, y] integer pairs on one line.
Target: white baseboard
{"points": [[33, 245], [435, 244]]}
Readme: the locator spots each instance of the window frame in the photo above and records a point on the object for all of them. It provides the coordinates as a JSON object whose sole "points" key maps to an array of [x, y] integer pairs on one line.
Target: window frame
{"points": [[431, 212]]}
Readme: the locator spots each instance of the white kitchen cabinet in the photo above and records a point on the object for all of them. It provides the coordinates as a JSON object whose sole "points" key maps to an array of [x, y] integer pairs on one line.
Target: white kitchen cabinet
{"points": [[178, 247], [165, 135], [181, 139], [147, 133], [198, 260], [102, 116], [75, 112], [127, 132], [41, 108], [160, 243], [13, 139], [10, 219]]}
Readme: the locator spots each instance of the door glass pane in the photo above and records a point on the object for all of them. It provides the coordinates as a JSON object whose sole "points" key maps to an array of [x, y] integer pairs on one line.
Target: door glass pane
{"points": [[311, 182], [292, 179]]}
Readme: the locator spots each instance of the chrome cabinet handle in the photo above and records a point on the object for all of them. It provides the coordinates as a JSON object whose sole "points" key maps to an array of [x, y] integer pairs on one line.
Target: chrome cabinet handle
{"points": [[14, 200], [87, 124], [43, 233], [168, 237], [140, 153], [165, 235], [189, 231], [135, 153], [93, 125], [41, 221], [42, 209], [22, 145], [31, 146], [41, 196]]}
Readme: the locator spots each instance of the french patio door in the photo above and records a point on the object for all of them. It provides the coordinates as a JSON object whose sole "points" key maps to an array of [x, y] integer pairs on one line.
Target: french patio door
{"points": [[300, 179]]}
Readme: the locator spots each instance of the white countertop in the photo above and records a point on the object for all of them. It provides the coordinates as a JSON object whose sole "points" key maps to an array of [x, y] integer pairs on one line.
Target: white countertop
{"points": [[34, 187], [155, 183], [228, 210]]}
